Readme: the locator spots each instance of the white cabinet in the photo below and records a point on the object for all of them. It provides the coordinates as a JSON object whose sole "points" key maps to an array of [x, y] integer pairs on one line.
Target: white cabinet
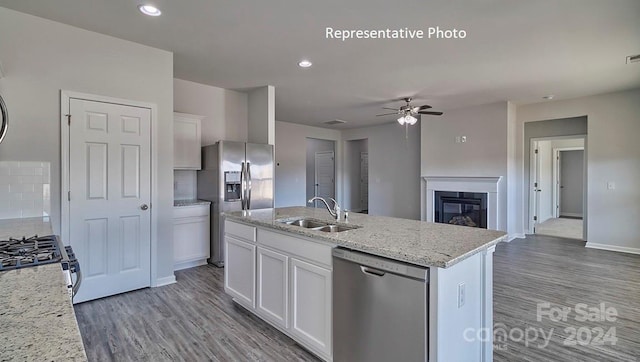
{"points": [[273, 286], [191, 234], [187, 141], [311, 305], [285, 280], [240, 271]]}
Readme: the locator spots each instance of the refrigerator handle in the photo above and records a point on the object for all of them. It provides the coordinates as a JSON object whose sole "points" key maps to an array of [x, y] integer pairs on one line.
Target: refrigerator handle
{"points": [[248, 201], [242, 186]]}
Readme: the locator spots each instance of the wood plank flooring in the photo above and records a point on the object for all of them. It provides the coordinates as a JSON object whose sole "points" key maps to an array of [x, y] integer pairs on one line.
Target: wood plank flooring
{"points": [[193, 320], [564, 273]]}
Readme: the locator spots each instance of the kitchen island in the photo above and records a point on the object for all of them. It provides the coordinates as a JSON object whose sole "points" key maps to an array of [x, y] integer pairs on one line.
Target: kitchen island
{"points": [[37, 319], [283, 273]]}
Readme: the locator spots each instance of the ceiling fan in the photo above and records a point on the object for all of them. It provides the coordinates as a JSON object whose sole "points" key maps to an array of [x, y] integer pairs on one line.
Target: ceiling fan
{"points": [[408, 112]]}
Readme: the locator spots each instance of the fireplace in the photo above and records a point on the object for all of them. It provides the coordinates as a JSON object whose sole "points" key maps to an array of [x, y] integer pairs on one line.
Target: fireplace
{"points": [[491, 214], [461, 208]]}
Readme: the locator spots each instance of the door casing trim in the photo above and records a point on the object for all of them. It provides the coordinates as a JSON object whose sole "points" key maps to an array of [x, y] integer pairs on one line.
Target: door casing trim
{"points": [[65, 99]]}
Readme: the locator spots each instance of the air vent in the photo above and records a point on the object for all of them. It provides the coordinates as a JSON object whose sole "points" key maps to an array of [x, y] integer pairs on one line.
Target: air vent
{"points": [[334, 122], [633, 59]]}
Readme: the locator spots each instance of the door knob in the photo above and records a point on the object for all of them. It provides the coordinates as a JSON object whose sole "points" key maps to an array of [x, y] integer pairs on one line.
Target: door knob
{"points": [[144, 207]]}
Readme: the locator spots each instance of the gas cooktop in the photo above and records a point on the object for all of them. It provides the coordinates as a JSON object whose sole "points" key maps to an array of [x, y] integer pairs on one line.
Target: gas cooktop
{"points": [[26, 252]]}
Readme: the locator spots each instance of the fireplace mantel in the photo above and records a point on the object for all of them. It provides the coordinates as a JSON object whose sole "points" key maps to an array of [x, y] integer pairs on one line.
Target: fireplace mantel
{"points": [[489, 185]]}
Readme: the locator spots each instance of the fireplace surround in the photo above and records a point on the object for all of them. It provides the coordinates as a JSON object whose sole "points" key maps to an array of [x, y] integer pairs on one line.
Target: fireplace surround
{"points": [[484, 185]]}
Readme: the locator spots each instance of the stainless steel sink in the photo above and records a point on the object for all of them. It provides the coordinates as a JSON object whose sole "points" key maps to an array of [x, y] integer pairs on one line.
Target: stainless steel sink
{"points": [[334, 228], [306, 223], [317, 225]]}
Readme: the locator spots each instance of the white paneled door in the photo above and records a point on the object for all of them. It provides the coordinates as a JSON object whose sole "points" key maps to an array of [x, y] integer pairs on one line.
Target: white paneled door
{"points": [[110, 192], [325, 176]]}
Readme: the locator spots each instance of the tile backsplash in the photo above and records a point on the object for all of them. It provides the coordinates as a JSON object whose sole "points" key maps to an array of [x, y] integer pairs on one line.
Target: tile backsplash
{"points": [[25, 189], [184, 185]]}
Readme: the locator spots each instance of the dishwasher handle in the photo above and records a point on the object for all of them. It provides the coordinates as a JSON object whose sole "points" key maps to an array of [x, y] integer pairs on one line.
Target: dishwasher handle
{"points": [[371, 271]]}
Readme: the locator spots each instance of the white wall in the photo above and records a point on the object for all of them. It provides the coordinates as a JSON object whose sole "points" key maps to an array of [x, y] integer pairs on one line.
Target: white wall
{"points": [[571, 171], [291, 159], [613, 155], [352, 175], [485, 153], [262, 115], [41, 57], [394, 169], [226, 111]]}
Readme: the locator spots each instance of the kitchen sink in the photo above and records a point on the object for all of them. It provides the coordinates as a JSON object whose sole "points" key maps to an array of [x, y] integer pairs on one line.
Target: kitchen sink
{"points": [[334, 228], [317, 225], [307, 223]]}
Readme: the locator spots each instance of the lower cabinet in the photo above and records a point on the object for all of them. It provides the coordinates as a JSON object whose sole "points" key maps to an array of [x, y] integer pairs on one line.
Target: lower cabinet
{"points": [[285, 280], [273, 286], [311, 304], [240, 271], [190, 236]]}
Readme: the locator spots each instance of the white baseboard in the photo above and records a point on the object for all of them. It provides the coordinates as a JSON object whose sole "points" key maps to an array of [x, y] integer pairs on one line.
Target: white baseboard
{"points": [[510, 237], [160, 282], [570, 214], [189, 264], [621, 249]]}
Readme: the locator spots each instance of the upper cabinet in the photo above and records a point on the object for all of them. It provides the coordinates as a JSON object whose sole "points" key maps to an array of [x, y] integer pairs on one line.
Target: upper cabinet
{"points": [[186, 141]]}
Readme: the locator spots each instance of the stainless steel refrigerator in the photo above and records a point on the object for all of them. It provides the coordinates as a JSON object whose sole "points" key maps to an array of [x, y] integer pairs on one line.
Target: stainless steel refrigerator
{"points": [[235, 176]]}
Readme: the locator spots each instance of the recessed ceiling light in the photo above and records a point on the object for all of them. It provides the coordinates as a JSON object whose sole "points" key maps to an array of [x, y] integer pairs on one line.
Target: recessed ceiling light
{"points": [[549, 97], [149, 10], [305, 63]]}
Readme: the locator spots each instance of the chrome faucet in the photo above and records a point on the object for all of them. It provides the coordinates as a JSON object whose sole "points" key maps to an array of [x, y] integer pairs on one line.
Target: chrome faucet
{"points": [[336, 208]]}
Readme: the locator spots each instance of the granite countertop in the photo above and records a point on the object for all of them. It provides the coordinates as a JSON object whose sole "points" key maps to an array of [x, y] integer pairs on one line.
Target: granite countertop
{"points": [[27, 227], [36, 313], [417, 242], [191, 202]]}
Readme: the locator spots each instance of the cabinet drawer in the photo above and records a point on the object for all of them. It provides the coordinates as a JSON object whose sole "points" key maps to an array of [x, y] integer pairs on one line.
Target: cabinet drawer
{"points": [[310, 250], [239, 230], [190, 211]]}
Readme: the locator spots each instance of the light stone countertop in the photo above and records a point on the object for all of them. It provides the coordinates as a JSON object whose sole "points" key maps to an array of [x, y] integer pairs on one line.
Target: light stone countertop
{"points": [[36, 313], [192, 202], [417, 242], [27, 227]]}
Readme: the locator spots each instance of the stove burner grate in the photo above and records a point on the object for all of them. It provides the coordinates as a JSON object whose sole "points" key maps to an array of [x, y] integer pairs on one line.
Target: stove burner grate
{"points": [[32, 251]]}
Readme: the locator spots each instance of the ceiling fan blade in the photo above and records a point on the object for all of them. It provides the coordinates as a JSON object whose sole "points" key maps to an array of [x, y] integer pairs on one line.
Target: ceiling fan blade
{"points": [[392, 109], [426, 106], [386, 114], [431, 112]]}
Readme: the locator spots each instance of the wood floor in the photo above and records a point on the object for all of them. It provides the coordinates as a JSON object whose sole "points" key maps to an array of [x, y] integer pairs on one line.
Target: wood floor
{"points": [[194, 320], [564, 273]]}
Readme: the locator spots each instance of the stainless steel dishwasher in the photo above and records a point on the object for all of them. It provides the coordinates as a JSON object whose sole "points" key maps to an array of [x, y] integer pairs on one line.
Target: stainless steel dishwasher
{"points": [[380, 309]]}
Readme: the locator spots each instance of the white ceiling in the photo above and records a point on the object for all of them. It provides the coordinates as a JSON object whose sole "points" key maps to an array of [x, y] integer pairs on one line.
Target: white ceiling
{"points": [[517, 50]]}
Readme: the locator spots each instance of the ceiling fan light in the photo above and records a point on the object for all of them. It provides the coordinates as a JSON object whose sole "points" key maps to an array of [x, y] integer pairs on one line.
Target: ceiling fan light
{"points": [[401, 120], [411, 120]]}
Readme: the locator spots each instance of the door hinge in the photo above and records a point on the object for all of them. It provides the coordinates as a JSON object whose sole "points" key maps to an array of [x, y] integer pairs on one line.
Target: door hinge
{"points": [[535, 184], [536, 151], [535, 218], [69, 196], [68, 119]]}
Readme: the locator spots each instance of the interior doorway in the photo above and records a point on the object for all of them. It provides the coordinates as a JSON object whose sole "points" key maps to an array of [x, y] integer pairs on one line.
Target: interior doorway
{"points": [[558, 192], [321, 172], [357, 175]]}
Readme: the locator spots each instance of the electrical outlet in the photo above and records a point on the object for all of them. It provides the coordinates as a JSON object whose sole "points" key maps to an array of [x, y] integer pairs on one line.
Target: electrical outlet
{"points": [[462, 294], [463, 139]]}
